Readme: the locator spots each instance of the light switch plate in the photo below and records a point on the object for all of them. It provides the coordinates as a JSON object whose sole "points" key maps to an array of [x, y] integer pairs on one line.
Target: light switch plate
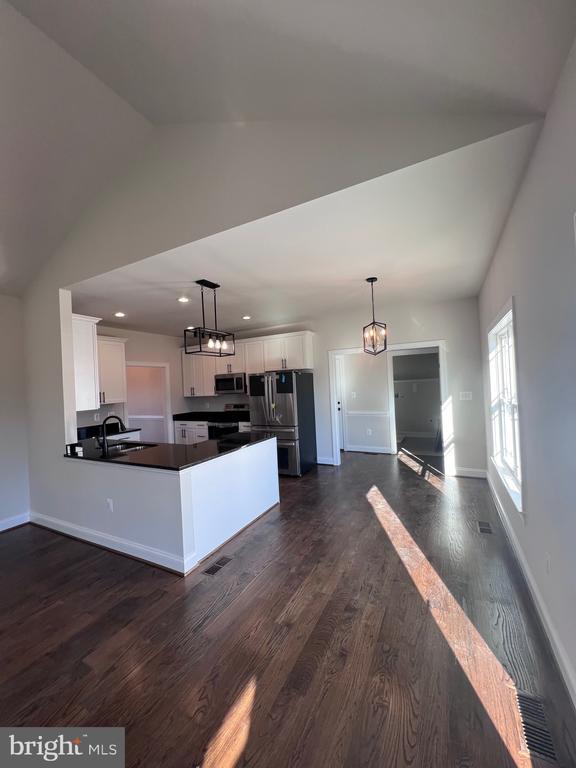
{"points": [[465, 395]]}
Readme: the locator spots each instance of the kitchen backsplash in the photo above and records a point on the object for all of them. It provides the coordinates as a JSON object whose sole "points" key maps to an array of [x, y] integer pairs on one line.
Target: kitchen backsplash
{"points": [[89, 418], [215, 403]]}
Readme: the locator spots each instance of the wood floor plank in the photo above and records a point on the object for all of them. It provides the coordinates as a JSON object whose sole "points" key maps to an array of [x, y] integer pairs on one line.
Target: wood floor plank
{"points": [[365, 622]]}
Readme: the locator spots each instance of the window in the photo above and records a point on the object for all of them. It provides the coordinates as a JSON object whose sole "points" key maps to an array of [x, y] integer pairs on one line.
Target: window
{"points": [[504, 405]]}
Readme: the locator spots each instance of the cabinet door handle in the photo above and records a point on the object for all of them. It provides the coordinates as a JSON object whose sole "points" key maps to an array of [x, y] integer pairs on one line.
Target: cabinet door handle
{"points": [[103, 397], [191, 391]]}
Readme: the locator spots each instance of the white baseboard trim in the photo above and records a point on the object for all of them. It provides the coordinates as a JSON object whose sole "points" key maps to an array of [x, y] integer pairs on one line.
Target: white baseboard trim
{"points": [[14, 521], [566, 668], [368, 449], [126, 546], [469, 472], [325, 460], [401, 434]]}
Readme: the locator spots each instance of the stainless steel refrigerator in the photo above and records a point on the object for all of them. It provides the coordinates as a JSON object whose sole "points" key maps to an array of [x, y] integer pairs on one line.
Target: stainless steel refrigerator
{"points": [[282, 405]]}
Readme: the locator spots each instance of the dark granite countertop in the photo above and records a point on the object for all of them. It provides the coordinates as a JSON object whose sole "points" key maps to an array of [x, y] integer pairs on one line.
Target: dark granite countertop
{"points": [[170, 456], [223, 417]]}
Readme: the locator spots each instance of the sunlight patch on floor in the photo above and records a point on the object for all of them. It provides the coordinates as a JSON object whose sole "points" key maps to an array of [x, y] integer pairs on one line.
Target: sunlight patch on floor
{"points": [[490, 681], [417, 465], [228, 745]]}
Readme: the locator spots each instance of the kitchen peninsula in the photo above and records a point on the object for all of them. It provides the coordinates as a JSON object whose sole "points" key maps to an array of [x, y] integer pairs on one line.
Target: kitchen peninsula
{"points": [[171, 505]]}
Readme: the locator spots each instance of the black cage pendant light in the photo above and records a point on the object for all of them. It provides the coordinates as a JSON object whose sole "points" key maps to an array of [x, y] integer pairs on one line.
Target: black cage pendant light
{"points": [[208, 341], [375, 336]]}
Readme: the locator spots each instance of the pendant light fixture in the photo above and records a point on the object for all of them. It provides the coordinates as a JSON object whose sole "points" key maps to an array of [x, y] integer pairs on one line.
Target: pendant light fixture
{"points": [[375, 336], [211, 342]]}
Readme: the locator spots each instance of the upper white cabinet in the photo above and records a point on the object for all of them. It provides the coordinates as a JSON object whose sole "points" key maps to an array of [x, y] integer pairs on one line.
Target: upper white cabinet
{"points": [[112, 369], [198, 373], [85, 350], [291, 350], [268, 353], [231, 363], [254, 356], [274, 349]]}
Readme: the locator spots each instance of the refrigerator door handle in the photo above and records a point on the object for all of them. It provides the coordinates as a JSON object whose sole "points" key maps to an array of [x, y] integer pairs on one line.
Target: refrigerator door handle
{"points": [[273, 394], [268, 397]]}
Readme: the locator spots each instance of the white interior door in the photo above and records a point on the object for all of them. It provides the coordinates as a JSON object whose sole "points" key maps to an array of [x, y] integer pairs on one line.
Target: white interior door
{"points": [[339, 369], [148, 403]]}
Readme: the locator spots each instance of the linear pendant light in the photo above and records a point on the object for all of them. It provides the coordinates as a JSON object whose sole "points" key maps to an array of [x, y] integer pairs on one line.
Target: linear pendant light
{"points": [[202, 340], [375, 336]]}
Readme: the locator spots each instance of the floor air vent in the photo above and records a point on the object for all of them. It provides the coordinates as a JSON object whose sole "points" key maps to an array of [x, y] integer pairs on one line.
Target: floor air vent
{"points": [[484, 527], [218, 565], [537, 737]]}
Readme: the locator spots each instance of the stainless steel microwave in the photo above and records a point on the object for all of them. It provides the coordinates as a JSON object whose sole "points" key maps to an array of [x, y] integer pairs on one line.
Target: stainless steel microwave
{"points": [[230, 384]]}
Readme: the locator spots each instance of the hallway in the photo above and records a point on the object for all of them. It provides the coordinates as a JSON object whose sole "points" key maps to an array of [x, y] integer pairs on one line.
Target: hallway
{"points": [[364, 622]]}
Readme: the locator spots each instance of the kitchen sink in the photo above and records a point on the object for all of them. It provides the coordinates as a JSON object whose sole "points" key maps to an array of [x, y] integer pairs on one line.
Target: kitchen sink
{"points": [[121, 448]]}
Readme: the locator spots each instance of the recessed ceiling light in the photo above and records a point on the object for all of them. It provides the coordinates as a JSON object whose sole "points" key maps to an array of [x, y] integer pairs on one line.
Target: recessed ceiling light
{"points": [[246, 317], [183, 299], [119, 314]]}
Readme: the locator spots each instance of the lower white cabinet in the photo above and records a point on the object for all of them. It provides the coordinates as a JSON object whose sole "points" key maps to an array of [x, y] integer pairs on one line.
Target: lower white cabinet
{"points": [[112, 369], [85, 350], [190, 432]]}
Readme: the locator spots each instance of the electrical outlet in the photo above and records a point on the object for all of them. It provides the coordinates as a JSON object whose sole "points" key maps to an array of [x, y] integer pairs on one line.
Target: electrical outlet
{"points": [[465, 395], [369, 432], [96, 416], [110, 503]]}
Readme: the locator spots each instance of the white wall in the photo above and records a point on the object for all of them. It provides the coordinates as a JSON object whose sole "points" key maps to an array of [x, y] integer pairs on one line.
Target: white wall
{"points": [[536, 263], [455, 322], [365, 402], [417, 407], [155, 348], [417, 394], [14, 494]]}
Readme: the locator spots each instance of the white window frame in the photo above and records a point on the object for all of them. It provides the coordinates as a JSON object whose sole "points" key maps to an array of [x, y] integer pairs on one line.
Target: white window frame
{"points": [[504, 411]]}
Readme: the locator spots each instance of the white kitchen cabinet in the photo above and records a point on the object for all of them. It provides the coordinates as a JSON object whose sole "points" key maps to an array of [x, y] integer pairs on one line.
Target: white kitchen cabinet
{"points": [[231, 363], [298, 351], [292, 350], [222, 365], [254, 356], [85, 350], [190, 432], [269, 353], [274, 350], [112, 369], [198, 373]]}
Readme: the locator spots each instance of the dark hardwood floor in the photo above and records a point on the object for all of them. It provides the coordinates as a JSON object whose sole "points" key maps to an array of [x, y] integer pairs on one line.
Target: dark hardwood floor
{"points": [[364, 622]]}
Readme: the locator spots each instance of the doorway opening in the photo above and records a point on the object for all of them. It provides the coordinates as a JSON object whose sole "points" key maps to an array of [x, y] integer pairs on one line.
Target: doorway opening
{"points": [[418, 406], [148, 403], [360, 395]]}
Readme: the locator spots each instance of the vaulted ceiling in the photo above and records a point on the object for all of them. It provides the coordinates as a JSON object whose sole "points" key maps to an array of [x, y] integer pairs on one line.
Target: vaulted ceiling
{"points": [[88, 87], [182, 60], [63, 136], [426, 231]]}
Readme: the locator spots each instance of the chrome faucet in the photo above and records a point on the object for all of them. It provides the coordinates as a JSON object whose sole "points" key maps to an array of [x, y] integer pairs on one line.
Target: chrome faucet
{"points": [[104, 436]]}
